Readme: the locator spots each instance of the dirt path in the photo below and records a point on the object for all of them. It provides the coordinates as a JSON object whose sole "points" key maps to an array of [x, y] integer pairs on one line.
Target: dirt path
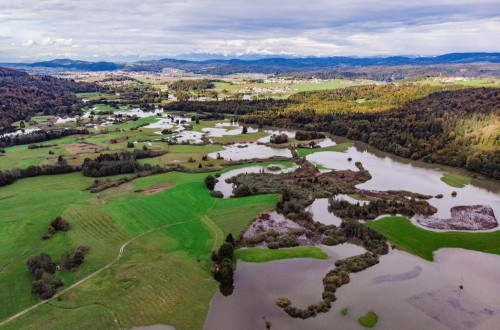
{"points": [[118, 257], [219, 235]]}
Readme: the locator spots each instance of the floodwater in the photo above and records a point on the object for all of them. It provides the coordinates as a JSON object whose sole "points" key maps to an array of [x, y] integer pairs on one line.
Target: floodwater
{"points": [[406, 292], [20, 131], [393, 173], [238, 151], [388, 173], [319, 210], [218, 132]]}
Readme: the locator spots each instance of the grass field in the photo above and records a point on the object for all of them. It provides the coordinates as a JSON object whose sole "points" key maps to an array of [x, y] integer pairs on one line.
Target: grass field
{"points": [[423, 243], [456, 180], [265, 255], [22, 157], [228, 89], [163, 277], [338, 148]]}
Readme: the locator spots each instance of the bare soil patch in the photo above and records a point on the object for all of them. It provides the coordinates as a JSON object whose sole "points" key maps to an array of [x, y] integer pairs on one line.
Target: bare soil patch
{"points": [[83, 148], [157, 188]]}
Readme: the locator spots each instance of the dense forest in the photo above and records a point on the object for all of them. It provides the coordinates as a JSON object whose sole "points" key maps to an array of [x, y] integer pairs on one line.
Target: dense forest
{"points": [[23, 96], [457, 127], [190, 85]]}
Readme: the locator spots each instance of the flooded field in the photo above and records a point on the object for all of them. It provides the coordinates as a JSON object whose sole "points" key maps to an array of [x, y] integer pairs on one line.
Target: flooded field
{"points": [[388, 173], [240, 151], [405, 292]]}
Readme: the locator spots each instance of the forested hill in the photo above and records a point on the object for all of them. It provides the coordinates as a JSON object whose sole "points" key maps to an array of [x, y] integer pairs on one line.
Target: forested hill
{"points": [[378, 68], [23, 95], [457, 127]]}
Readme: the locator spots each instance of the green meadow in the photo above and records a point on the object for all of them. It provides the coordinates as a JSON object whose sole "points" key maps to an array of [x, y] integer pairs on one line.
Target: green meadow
{"points": [[265, 255], [456, 180], [338, 148], [163, 277], [423, 243]]}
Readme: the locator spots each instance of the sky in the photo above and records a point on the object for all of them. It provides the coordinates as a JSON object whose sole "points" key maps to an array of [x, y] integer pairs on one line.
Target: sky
{"points": [[120, 30]]}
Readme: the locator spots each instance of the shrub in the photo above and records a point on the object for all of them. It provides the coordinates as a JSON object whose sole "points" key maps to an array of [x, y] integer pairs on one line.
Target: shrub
{"points": [[216, 194], [224, 272], [334, 279], [328, 240], [242, 191], [130, 144], [226, 251], [279, 139], [283, 302], [273, 245], [42, 268], [166, 131], [328, 295], [288, 242], [230, 239], [210, 182], [58, 224]]}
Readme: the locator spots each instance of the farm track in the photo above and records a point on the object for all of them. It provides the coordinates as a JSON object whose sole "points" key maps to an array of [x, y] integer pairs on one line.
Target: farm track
{"points": [[219, 235], [118, 257]]}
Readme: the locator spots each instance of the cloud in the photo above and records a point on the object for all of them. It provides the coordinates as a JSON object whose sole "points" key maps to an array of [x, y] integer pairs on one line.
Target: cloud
{"points": [[33, 29]]}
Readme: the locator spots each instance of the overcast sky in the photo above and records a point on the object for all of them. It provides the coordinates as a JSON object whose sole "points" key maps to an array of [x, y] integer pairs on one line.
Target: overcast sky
{"points": [[117, 29]]}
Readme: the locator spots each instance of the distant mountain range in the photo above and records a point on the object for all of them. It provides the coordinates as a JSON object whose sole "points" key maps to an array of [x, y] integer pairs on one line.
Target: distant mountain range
{"points": [[261, 65]]}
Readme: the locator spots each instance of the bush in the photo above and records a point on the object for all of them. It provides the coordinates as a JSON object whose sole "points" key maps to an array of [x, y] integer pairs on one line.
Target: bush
{"points": [[329, 296], [224, 273], [210, 182], [216, 194], [288, 242], [42, 268], [58, 224], [230, 239], [273, 245], [328, 240], [279, 139], [242, 191], [130, 144], [226, 251], [283, 302]]}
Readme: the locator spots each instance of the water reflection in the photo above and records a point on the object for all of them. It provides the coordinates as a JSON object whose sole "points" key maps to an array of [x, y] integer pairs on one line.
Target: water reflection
{"points": [[433, 287]]}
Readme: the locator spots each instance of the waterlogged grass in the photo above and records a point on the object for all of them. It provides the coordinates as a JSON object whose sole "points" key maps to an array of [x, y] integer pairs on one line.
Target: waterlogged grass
{"points": [[249, 137], [423, 243], [369, 320], [456, 180], [160, 276], [265, 255], [338, 148]]}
